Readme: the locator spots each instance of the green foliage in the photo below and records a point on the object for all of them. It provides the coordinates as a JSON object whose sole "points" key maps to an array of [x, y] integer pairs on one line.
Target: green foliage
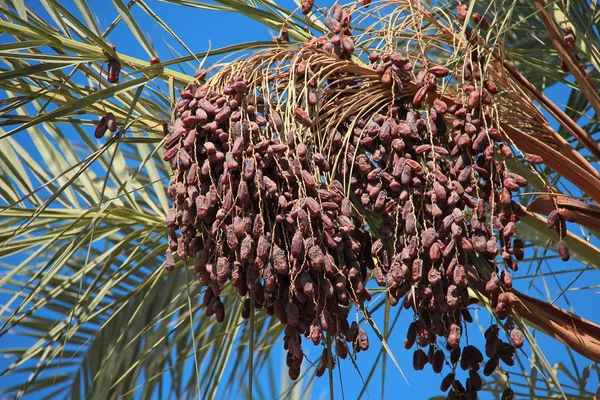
{"points": [[82, 232]]}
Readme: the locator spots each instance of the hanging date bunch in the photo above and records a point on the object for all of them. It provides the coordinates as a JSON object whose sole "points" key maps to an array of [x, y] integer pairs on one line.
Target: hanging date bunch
{"points": [[250, 207], [430, 172], [303, 171]]}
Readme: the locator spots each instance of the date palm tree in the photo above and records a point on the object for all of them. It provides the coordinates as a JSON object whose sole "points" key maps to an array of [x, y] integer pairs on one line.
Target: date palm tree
{"points": [[83, 231]]}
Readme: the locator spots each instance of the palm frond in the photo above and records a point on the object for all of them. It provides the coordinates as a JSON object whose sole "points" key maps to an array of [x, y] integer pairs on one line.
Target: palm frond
{"points": [[82, 231]]}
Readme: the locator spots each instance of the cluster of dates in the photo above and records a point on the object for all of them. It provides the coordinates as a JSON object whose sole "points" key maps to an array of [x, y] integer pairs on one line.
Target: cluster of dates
{"points": [[255, 212], [430, 174], [341, 43], [252, 206]]}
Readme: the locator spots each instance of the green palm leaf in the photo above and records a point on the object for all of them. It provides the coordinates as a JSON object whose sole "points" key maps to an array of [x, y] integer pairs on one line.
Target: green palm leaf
{"points": [[82, 221]]}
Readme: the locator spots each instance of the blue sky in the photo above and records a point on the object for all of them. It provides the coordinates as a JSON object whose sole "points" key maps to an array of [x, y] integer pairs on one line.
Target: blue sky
{"points": [[204, 29]]}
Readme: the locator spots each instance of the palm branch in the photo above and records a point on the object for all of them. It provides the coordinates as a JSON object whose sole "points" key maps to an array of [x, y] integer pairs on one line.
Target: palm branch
{"points": [[83, 221]]}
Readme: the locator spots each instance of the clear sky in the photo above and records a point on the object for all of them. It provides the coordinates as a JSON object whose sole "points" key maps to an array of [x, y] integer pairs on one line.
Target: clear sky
{"points": [[204, 29]]}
